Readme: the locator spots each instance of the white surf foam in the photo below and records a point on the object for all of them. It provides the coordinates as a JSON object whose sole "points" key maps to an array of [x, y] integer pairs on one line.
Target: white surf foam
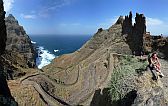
{"points": [[33, 42], [44, 57], [56, 50]]}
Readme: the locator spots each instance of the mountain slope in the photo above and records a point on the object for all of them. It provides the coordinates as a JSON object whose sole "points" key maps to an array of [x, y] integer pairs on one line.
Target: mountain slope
{"points": [[85, 76], [79, 74], [19, 42]]}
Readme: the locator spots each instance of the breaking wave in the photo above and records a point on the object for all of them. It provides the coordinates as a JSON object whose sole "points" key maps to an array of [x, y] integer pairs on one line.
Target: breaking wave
{"points": [[44, 57]]}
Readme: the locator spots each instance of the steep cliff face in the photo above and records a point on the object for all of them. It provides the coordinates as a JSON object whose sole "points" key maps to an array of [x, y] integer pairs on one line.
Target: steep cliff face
{"points": [[5, 95], [155, 43], [19, 42], [139, 40], [3, 29], [134, 33]]}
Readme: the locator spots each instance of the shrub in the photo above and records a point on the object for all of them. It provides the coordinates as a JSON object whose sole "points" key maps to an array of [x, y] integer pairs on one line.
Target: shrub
{"points": [[123, 74]]}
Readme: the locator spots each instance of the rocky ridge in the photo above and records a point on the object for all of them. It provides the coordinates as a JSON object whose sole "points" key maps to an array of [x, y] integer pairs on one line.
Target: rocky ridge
{"points": [[134, 33], [19, 52], [91, 66], [18, 42], [139, 40]]}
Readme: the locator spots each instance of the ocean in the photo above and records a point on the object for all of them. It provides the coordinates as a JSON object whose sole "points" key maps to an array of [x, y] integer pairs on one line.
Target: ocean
{"points": [[51, 46]]}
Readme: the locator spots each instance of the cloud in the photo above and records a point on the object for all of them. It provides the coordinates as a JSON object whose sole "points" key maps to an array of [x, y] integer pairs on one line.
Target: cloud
{"points": [[153, 21], [55, 5], [156, 26], [28, 16], [60, 4], [8, 4]]}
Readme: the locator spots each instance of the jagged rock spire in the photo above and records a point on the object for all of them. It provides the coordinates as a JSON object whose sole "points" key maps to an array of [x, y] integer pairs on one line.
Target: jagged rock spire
{"points": [[120, 20], [134, 33], [11, 19]]}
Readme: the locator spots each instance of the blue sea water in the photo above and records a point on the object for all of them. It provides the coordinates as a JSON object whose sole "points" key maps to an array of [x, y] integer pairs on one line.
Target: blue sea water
{"points": [[52, 46]]}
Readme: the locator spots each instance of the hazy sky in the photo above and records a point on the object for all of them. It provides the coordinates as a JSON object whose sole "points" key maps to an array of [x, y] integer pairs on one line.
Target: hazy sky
{"points": [[79, 17]]}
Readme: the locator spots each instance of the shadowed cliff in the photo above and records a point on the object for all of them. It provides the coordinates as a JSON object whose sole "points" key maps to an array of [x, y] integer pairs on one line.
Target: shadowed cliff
{"points": [[5, 95]]}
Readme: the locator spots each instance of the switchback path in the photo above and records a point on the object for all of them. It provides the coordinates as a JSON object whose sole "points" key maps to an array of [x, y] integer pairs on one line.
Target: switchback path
{"points": [[51, 100]]}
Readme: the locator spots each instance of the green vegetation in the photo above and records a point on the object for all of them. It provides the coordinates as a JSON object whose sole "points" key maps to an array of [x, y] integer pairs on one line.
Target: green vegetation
{"points": [[123, 74]]}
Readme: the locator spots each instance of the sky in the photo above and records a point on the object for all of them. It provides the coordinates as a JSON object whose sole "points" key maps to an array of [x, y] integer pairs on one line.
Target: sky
{"points": [[84, 17]]}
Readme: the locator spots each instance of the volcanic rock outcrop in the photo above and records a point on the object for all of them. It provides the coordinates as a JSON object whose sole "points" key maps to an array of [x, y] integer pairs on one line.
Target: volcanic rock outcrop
{"points": [[155, 43], [139, 40], [19, 43], [6, 98], [134, 33]]}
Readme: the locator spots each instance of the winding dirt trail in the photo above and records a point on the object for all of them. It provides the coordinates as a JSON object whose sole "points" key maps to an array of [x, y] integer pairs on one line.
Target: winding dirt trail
{"points": [[89, 85], [49, 99]]}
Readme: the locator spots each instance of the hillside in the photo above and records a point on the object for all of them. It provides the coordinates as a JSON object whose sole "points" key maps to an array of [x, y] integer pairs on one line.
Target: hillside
{"points": [[92, 65], [19, 52], [90, 75], [107, 70], [18, 42]]}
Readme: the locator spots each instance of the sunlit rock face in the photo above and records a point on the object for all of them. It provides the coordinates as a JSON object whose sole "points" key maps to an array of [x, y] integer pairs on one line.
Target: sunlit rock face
{"points": [[18, 41]]}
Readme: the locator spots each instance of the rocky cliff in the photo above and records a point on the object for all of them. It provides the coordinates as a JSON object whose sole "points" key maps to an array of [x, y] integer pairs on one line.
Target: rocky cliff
{"points": [[6, 98], [3, 29], [134, 33], [18, 42], [139, 40], [158, 43]]}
